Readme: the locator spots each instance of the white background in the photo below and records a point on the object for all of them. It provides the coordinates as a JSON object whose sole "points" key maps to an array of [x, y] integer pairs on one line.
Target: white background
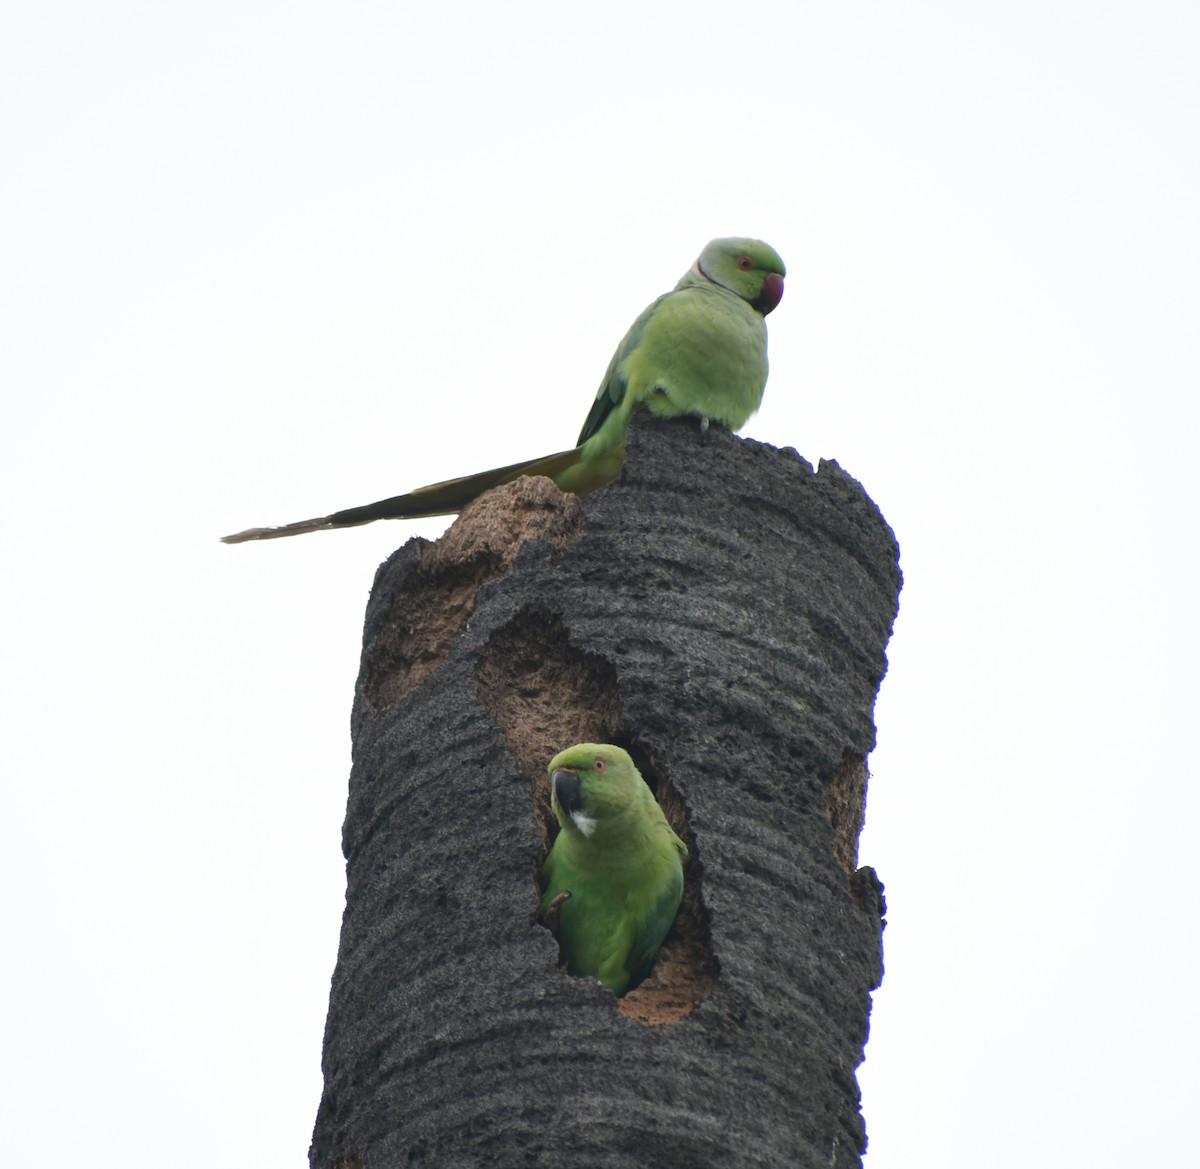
{"points": [[261, 261]]}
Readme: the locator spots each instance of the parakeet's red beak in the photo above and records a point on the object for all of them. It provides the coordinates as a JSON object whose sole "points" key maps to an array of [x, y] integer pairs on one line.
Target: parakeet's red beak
{"points": [[771, 295]]}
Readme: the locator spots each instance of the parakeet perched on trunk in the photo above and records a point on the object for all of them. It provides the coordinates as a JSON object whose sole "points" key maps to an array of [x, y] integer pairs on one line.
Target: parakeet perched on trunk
{"points": [[700, 349], [614, 877]]}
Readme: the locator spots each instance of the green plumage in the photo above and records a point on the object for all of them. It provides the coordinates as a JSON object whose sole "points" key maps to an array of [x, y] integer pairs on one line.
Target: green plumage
{"points": [[614, 877], [700, 349]]}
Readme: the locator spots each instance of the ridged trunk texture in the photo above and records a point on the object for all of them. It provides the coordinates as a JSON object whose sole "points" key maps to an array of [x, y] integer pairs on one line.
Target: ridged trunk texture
{"points": [[721, 611]]}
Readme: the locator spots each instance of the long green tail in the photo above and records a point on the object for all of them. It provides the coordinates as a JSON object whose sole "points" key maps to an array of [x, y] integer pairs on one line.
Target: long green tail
{"points": [[445, 498]]}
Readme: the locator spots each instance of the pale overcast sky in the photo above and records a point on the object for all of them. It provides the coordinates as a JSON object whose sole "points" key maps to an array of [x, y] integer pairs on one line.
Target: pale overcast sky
{"points": [[259, 261]]}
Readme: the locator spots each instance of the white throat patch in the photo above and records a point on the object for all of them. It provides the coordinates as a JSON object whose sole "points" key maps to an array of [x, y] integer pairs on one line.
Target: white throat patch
{"points": [[585, 823]]}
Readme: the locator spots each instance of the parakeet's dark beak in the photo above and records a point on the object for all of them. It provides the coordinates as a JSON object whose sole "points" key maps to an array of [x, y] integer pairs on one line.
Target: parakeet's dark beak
{"points": [[566, 790]]}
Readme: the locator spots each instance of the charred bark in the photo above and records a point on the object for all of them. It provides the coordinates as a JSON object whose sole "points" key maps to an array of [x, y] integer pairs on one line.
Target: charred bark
{"points": [[722, 612]]}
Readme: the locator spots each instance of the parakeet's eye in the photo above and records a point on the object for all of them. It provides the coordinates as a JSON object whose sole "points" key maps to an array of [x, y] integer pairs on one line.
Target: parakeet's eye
{"points": [[745, 263], [598, 764]]}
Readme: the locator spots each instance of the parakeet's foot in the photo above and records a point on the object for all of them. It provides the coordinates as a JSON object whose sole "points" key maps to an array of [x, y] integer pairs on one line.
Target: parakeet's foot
{"points": [[704, 422], [550, 917]]}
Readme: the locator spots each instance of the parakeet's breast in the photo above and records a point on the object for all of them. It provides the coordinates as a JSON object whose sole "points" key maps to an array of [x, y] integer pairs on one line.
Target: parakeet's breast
{"points": [[617, 914], [704, 353]]}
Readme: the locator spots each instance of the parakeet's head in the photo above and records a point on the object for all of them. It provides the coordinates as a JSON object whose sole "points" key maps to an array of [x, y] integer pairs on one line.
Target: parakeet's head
{"points": [[591, 783], [747, 267]]}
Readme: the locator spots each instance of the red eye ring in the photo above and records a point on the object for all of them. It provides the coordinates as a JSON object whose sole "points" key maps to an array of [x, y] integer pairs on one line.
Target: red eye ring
{"points": [[598, 764], [745, 263]]}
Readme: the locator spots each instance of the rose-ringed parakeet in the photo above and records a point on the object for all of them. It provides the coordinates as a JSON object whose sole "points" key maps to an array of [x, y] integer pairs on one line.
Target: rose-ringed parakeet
{"points": [[614, 876], [700, 349]]}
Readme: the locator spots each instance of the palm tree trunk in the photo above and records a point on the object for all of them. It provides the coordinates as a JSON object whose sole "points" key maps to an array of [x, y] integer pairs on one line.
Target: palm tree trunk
{"points": [[722, 612]]}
